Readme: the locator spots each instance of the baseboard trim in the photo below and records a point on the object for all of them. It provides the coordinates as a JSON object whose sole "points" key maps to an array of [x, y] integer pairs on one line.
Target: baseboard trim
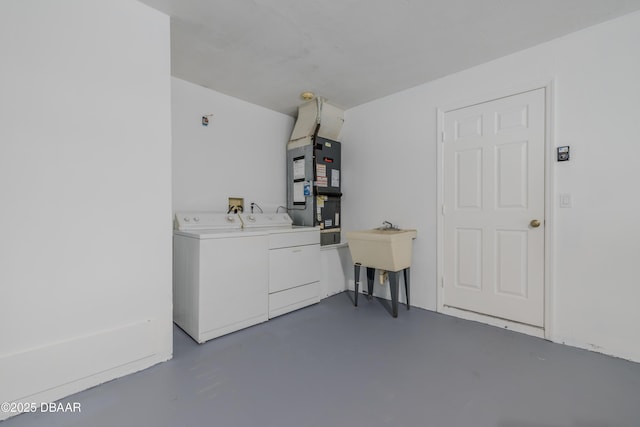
{"points": [[494, 321], [56, 370]]}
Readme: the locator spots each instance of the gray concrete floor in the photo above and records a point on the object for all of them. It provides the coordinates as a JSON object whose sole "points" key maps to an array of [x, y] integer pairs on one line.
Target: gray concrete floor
{"points": [[336, 365]]}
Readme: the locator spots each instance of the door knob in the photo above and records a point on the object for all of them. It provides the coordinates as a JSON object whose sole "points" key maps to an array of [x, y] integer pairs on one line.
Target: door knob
{"points": [[534, 223]]}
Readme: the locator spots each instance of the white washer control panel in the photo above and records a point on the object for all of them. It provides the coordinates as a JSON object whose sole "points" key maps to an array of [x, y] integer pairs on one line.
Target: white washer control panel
{"points": [[206, 221], [256, 220]]}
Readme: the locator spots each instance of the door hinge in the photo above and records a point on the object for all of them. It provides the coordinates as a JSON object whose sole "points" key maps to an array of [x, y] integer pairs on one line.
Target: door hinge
{"points": [[444, 210], [442, 282], [442, 136]]}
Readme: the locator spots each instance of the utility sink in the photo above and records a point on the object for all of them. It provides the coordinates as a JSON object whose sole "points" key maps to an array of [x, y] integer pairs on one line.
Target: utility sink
{"points": [[386, 249]]}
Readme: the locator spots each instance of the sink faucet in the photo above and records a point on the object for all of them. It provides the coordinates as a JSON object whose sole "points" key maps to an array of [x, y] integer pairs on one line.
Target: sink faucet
{"points": [[387, 225]]}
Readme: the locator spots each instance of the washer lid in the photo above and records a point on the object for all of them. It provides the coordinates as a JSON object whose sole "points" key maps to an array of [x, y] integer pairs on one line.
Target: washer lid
{"points": [[257, 220], [206, 221]]}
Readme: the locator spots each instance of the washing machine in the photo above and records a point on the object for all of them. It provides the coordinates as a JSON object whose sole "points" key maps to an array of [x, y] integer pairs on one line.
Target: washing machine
{"points": [[220, 274], [294, 261]]}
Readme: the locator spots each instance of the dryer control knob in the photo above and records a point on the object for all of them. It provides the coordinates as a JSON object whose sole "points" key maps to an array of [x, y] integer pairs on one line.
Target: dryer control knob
{"points": [[186, 219], [196, 219]]}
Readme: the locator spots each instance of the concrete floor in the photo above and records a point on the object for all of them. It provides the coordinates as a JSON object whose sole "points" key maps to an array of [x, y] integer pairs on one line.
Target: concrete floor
{"points": [[335, 365]]}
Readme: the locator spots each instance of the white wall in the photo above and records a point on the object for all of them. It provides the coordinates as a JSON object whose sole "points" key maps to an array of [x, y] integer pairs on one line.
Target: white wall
{"points": [[390, 173], [85, 179], [241, 153]]}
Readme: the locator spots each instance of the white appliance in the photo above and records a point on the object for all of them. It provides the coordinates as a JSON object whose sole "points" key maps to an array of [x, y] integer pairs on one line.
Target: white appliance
{"points": [[220, 274], [294, 261]]}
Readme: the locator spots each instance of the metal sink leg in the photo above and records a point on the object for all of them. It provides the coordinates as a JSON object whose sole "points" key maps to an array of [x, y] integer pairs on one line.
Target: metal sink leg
{"points": [[371, 275], [406, 285], [394, 281], [356, 282]]}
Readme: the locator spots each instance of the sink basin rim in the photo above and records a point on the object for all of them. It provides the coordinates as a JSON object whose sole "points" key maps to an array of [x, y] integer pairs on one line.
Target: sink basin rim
{"points": [[376, 234]]}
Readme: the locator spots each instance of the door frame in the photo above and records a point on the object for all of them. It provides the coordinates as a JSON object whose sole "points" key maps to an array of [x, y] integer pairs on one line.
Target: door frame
{"points": [[547, 329]]}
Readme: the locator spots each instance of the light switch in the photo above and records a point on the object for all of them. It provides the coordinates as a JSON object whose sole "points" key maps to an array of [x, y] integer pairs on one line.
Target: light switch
{"points": [[565, 200]]}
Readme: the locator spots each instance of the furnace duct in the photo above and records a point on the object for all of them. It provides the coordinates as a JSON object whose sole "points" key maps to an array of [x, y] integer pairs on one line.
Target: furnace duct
{"points": [[316, 116]]}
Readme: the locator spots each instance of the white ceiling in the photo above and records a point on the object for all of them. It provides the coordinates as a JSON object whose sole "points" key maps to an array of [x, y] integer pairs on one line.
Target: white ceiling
{"points": [[353, 51]]}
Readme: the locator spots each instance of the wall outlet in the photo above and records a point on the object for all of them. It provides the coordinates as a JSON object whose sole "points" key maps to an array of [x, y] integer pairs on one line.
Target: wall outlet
{"points": [[236, 204]]}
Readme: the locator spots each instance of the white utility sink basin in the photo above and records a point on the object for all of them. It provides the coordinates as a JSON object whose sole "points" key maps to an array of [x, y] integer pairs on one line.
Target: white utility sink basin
{"points": [[385, 249]]}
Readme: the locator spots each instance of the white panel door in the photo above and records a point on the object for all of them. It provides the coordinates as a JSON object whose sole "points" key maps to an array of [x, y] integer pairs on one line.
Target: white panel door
{"points": [[493, 190]]}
